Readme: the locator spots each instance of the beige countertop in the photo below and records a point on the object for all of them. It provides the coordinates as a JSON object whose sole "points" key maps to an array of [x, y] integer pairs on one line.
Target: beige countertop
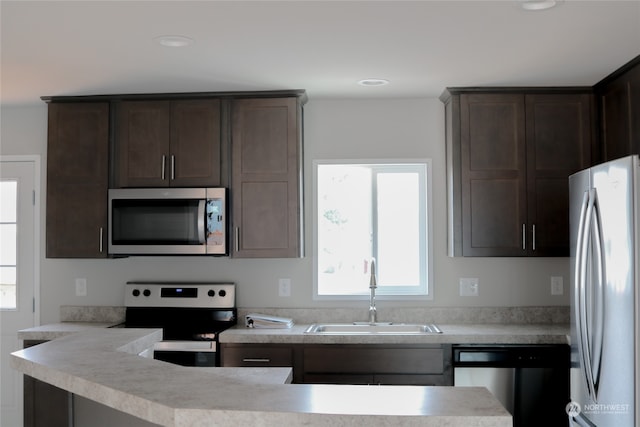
{"points": [[452, 334], [54, 331], [103, 365]]}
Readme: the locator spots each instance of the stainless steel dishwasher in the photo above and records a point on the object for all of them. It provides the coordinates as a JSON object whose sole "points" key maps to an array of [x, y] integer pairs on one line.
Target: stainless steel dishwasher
{"points": [[531, 381]]}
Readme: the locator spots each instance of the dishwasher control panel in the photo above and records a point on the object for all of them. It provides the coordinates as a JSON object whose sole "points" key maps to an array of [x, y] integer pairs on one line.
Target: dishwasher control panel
{"points": [[512, 355]]}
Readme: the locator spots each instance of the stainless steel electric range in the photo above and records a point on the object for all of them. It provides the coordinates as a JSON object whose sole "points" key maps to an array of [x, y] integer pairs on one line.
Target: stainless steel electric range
{"points": [[191, 316]]}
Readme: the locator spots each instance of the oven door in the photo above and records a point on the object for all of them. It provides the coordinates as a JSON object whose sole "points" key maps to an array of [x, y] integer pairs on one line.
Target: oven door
{"points": [[187, 353]]}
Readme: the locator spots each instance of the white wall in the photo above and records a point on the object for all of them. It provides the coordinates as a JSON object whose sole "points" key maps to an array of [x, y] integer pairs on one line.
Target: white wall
{"points": [[334, 128]]}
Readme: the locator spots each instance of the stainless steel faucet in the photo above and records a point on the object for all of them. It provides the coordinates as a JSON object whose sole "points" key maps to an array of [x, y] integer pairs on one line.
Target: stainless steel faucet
{"points": [[373, 315]]}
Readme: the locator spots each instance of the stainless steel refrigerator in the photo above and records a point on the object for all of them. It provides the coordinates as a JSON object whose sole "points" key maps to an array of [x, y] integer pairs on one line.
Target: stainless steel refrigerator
{"points": [[605, 265]]}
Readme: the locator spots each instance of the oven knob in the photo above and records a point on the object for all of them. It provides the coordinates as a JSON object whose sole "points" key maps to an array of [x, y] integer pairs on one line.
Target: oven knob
{"points": [[136, 292], [222, 292], [211, 293], [146, 292]]}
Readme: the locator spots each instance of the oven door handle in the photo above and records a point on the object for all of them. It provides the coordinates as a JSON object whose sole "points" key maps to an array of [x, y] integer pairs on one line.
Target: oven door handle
{"points": [[186, 346]]}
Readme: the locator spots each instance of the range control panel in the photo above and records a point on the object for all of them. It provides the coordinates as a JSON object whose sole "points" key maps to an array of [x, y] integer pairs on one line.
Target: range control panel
{"points": [[172, 294]]}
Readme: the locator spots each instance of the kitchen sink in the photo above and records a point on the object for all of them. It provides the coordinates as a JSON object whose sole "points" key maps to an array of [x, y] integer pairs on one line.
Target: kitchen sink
{"points": [[363, 328]]}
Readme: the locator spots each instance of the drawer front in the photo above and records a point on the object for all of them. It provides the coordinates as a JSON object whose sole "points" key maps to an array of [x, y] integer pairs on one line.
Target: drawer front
{"points": [[257, 356], [355, 360]]}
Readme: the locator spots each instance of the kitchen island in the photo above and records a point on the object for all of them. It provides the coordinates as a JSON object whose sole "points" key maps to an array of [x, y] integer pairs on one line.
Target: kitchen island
{"points": [[104, 365]]}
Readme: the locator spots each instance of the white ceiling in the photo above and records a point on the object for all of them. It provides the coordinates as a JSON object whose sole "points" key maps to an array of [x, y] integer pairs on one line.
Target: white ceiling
{"points": [[105, 47]]}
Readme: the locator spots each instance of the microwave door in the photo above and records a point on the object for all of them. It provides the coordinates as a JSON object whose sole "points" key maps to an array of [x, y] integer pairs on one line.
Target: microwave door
{"points": [[157, 221]]}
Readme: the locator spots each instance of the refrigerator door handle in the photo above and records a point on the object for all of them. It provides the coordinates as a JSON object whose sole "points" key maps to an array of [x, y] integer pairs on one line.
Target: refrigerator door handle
{"points": [[597, 292], [580, 271], [590, 276]]}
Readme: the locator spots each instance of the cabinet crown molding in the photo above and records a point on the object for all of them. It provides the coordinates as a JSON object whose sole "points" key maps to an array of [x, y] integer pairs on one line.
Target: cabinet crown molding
{"points": [[297, 93]]}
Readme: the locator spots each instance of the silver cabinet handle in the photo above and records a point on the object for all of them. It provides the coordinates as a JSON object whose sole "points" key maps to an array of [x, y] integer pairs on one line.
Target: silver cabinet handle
{"points": [[164, 158], [237, 239], [101, 239], [533, 242], [173, 167], [524, 237], [256, 360]]}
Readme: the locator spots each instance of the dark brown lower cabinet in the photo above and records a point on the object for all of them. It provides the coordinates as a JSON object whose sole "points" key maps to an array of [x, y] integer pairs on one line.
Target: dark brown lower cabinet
{"points": [[44, 404], [378, 364], [262, 356], [348, 363]]}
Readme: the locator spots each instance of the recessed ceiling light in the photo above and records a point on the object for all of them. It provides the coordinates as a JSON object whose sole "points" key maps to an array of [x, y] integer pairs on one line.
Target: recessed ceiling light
{"points": [[173, 41], [373, 82], [538, 4]]}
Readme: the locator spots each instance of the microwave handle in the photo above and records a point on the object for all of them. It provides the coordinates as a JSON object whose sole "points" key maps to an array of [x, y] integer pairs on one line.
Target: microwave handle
{"points": [[201, 220]]}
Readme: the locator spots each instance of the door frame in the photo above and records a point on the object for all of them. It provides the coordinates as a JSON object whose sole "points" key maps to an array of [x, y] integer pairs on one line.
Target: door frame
{"points": [[36, 160]]}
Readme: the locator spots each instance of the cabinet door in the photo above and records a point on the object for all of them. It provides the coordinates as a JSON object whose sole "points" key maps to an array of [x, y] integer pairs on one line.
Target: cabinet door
{"points": [[169, 143], [559, 140], [77, 180], [266, 178], [142, 143], [620, 115], [195, 143], [45, 405], [372, 364], [493, 174]]}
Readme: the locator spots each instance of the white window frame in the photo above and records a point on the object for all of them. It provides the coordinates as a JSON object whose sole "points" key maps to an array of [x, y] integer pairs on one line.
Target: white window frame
{"points": [[414, 293]]}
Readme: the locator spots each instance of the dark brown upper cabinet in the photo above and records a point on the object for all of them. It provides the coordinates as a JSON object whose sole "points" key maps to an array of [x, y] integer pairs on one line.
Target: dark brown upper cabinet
{"points": [[182, 140], [174, 143], [618, 98], [509, 156], [266, 177], [77, 180]]}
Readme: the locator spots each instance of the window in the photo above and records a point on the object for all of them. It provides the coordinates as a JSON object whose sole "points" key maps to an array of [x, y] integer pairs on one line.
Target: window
{"points": [[8, 244], [370, 211]]}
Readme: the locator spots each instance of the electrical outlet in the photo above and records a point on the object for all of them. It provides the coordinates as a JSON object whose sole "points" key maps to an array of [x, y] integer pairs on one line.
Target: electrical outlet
{"points": [[557, 287], [469, 286], [81, 287], [284, 287]]}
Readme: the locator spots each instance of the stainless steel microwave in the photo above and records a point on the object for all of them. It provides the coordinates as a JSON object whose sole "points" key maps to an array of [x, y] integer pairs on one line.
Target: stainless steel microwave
{"points": [[167, 221]]}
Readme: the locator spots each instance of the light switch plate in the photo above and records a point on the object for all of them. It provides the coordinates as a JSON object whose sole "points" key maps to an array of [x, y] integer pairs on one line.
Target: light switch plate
{"points": [[557, 287], [469, 286]]}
